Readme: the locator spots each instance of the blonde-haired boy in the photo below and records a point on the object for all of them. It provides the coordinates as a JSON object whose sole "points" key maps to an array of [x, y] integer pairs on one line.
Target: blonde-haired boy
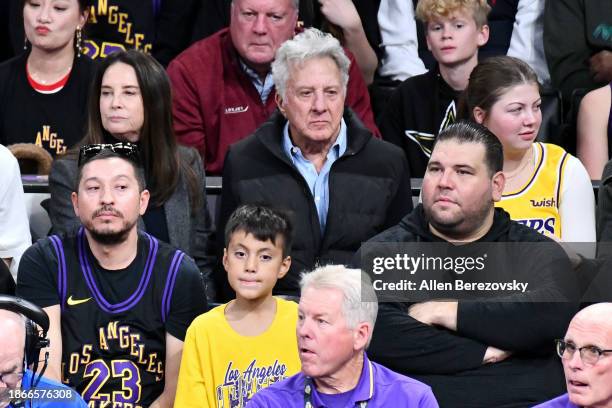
{"points": [[426, 104]]}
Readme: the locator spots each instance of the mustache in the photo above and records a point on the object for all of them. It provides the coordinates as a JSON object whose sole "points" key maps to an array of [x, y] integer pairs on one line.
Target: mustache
{"points": [[107, 209]]}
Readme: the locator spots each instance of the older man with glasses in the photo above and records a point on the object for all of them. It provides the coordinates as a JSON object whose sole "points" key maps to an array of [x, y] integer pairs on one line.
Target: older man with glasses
{"points": [[586, 354]]}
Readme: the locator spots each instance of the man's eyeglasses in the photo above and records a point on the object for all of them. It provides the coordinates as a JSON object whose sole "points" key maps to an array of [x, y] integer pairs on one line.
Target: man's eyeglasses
{"points": [[588, 354], [127, 150], [11, 379]]}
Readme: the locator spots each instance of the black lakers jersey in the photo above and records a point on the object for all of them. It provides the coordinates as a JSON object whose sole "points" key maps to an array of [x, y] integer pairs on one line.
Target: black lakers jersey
{"points": [[114, 322]]}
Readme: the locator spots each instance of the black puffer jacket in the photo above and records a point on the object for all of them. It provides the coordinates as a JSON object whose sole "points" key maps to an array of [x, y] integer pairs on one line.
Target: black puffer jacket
{"points": [[369, 191]]}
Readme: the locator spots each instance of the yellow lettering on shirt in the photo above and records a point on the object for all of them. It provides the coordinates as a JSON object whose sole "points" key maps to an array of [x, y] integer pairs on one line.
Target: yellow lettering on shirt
{"points": [[112, 14]]}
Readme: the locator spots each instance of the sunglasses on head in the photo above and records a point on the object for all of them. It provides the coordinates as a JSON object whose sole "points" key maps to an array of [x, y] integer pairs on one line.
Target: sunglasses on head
{"points": [[124, 149]]}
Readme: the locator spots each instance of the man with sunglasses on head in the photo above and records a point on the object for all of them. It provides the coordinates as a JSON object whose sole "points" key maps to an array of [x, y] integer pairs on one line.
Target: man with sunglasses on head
{"points": [[119, 300], [586, 354]]}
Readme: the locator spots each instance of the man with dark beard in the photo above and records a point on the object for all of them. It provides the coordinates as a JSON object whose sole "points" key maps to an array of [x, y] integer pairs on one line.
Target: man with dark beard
{"points": [[119, 301]]}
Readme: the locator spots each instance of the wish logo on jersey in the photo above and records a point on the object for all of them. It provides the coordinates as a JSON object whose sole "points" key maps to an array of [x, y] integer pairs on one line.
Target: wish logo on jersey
{"points": [[544, 226], [544, 202], [238, 387]]}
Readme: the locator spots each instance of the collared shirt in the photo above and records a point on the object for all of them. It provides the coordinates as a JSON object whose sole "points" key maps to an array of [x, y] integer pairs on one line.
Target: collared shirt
{"points": [[559, 402], [317, 182], [377, 385], [263, 87]]}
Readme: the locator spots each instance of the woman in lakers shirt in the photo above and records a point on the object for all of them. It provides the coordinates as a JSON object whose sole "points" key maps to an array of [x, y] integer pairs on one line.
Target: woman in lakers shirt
{"points": [[546, 188], [43, 91]]}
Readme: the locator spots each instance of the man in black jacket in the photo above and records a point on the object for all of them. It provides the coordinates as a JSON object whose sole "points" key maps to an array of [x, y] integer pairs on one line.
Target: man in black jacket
{"points": [[316, 159], [496, 353]]}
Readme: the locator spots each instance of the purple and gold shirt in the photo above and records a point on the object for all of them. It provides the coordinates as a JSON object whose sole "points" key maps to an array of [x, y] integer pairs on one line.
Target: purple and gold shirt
{"points": [[378, 387]]}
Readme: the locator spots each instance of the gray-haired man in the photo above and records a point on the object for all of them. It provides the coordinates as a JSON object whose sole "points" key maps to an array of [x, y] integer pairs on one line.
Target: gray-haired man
{"points": [[336, 318], [316, 158]]}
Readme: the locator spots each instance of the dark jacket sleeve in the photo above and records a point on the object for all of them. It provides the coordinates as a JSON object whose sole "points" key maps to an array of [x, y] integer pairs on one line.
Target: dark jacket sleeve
{"points": [[61, 185], [529, 321], [407, 345], [567, 55], [203, 246]]}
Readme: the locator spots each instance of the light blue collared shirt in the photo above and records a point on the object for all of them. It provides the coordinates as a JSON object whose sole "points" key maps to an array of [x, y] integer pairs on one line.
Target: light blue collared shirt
{"points": [[263, 87], [317, 182]]}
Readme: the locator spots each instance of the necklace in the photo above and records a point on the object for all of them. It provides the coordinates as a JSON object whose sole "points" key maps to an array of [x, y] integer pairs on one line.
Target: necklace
{"points": [[518, 171]]}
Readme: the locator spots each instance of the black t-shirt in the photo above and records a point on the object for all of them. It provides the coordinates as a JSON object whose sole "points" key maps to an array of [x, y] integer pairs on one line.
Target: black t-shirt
{"points": [[55, 122], [114, 322], [417, 111], [120, 24]]}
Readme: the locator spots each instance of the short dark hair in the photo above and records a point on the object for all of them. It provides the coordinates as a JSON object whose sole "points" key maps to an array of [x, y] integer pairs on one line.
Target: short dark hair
{"points": [[109, 154], [264, 223], [465, 131]]}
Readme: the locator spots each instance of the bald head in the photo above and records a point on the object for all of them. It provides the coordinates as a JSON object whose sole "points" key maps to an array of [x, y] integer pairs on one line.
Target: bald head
{"points": [[12, 330], [590, 384], [596, 319], [12, 343]]}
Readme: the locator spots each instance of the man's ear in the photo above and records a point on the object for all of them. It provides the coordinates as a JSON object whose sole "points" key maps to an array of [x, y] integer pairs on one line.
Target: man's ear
{"points": [[361, 335], [279, 102], [479, 115], [497, 183], [144, 201], [483, 35], [74, 197]]}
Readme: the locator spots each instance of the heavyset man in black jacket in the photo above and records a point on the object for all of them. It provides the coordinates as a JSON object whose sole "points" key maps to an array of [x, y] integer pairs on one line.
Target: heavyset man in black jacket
{"points": [[317, 160], [477, 353]]}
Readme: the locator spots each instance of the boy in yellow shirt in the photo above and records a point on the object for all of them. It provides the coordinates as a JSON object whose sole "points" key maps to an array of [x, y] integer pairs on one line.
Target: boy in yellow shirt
{"points": [[240, 347]]}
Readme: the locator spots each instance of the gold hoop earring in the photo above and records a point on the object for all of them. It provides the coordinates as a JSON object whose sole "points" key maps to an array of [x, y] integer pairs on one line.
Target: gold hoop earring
{"points": [[78, 41]]}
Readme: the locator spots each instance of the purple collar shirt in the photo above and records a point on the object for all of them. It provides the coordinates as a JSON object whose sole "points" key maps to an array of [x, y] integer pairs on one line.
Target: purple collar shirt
{"points": [[559, 402], [377, 387]]}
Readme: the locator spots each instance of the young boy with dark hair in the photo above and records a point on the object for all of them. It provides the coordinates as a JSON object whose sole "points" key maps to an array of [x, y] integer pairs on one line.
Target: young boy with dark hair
{"points": [[424, 105], [238, 348]]}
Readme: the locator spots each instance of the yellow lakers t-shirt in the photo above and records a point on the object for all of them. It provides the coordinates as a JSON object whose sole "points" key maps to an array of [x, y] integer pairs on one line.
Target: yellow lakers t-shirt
{"points": [[221, 368], [536, 204]]}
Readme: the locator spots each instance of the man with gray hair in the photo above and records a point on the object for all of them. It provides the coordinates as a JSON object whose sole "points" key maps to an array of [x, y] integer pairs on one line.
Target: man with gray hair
{"points": [[222, 85], [315, 157], [336, 318]]}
